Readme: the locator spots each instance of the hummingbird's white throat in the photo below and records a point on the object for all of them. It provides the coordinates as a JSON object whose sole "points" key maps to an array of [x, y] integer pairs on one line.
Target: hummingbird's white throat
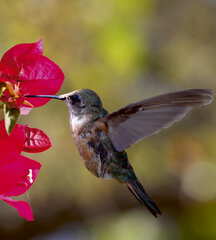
{"points": [[77, 122]]}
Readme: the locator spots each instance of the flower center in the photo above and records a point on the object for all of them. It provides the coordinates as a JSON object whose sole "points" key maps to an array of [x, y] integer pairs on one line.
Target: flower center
{"points": [[11, 93]]}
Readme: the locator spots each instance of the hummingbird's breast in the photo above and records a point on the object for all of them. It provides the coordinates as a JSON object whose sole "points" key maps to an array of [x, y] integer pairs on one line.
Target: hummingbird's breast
{"points": [[93, 146]]}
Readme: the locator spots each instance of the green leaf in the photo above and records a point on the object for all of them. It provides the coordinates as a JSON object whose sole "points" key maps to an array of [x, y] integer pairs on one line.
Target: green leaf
{"points": [[11, 116], [2, 90]]}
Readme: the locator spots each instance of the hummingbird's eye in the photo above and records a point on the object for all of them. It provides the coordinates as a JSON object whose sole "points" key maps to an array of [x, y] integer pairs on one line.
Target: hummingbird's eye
{"points": [[75, 99]]}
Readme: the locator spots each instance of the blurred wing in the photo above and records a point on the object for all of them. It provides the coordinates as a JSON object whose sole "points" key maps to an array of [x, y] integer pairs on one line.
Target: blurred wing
{"points": [[139, 120]]}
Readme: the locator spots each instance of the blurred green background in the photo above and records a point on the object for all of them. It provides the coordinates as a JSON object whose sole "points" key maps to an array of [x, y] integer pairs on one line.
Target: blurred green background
{"points": [[125, 51]]}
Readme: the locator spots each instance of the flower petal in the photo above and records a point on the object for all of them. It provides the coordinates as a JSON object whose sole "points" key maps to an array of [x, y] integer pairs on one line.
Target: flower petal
{"points": [[10, 176], [11, 144], [28, 169], [8, 62], [40, 75], [36, 140], [22, 49], [22, 207], [25, 110], [18, 176]]}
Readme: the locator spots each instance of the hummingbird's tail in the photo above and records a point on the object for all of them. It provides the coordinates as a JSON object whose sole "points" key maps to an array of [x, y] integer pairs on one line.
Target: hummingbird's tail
{"points": [[138, 191]]}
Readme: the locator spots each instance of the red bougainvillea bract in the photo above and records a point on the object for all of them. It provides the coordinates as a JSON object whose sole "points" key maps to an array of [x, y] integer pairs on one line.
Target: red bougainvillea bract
{"points": [[23, 70]]}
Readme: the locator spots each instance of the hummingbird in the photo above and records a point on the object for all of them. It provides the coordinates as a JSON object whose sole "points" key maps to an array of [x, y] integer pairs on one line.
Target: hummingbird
{"points": [[102, 138]]}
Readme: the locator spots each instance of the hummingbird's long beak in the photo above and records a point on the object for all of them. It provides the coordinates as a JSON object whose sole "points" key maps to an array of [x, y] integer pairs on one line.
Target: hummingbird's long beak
{"points": [[60, 97]]}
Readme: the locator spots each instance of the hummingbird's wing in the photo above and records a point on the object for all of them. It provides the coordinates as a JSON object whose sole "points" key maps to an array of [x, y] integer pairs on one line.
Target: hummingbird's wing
{"points": [[139, 120]]}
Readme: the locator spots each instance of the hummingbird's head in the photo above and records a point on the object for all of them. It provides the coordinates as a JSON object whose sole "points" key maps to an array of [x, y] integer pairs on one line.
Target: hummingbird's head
{"points": [[82, 102]]}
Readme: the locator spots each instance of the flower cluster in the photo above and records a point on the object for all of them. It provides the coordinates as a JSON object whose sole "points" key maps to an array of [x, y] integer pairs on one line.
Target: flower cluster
{"points": [[23, 70], [17, 173]]}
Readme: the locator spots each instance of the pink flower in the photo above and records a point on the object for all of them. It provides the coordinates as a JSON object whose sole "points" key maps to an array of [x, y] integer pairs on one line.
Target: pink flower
{"points": [[24, 70], [16, 177], [18, 173]]}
